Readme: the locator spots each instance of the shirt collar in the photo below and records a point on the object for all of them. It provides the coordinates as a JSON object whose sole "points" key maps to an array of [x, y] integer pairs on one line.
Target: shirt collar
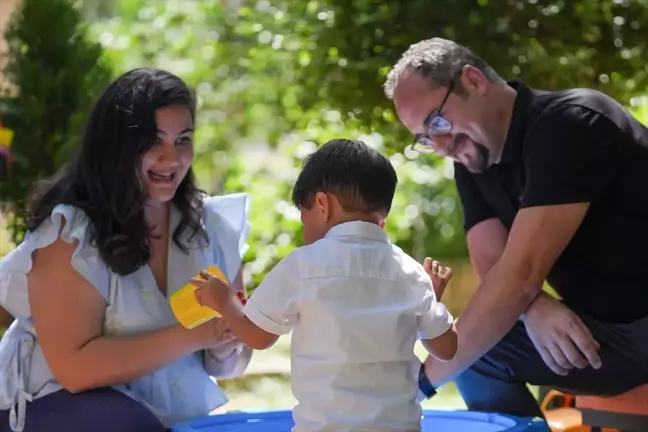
{"points": [[366, 230], [519, 121]]}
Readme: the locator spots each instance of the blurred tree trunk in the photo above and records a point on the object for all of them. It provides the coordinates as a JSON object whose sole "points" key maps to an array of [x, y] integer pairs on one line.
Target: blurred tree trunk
{"points": [[5, 318]]}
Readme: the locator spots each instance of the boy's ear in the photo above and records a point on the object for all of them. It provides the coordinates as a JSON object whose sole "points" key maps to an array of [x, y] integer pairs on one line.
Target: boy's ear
{"points": [[383, 223], [322, 203]]}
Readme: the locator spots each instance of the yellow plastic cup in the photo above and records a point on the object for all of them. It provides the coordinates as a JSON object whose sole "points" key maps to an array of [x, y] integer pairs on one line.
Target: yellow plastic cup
{"points": [[183, 302], [6, 137]]}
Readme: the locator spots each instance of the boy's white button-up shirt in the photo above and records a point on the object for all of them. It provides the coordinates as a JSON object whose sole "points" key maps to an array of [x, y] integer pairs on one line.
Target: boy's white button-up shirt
{"points": [[356, 304]]}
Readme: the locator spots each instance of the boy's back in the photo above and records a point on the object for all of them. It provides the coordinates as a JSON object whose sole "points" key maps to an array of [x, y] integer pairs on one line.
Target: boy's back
{"points": [[356, 304], [354, 301]]}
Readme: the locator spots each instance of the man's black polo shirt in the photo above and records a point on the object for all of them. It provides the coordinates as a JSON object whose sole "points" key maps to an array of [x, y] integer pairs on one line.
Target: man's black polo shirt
{"points": [[568, 147]]}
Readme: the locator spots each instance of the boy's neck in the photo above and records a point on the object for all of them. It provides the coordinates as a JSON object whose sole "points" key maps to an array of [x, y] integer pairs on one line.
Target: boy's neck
{"points": [[374, 218]]}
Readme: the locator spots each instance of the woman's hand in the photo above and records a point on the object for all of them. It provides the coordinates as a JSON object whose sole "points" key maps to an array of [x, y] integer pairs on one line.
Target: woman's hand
{"points": [[214, 334], [228, 358], [227, 343]]}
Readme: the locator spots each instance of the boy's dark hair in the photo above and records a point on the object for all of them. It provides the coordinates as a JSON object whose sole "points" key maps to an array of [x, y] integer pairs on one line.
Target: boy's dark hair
{"points": [[363, 179]]}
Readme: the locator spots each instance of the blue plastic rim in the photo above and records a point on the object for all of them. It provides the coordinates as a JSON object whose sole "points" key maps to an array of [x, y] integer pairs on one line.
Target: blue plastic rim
{"points": [[432, 421]]}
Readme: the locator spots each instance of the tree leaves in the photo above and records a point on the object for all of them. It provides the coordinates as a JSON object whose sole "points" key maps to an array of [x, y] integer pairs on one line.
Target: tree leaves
{"points": [[53, 75]]}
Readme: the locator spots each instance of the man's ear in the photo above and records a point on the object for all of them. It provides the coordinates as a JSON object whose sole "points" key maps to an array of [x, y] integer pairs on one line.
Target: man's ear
{"points": [[474, 81]]}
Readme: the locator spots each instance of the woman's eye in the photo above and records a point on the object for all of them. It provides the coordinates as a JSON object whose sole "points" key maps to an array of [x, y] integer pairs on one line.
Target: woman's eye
{"points": [[186, 141]]}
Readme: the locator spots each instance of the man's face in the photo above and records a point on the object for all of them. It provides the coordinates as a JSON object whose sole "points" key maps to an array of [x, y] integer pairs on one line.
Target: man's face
{"points": [[449, 124]]}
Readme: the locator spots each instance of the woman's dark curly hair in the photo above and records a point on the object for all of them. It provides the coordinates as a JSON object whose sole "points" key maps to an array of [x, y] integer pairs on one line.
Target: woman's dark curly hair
{"points": [[103, 179]]}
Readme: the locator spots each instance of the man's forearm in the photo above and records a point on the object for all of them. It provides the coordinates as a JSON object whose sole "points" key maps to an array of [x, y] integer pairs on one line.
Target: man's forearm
{"points": [[542, 295], [500, 300], [536, 239]]}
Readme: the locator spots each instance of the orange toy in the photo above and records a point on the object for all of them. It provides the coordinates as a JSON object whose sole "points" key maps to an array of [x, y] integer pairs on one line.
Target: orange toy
{"points": [[589, 413]]}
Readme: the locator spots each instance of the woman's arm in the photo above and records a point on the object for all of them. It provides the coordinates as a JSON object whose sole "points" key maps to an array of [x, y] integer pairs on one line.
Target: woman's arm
{"points": [[229, 360], [68, 314]]}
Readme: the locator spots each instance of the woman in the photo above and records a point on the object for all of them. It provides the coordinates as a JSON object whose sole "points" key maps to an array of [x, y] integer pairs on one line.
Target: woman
{"points": [[95, 345]]}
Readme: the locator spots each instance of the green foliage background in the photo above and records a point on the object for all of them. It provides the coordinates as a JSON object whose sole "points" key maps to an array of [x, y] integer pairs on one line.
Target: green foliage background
{"points": [[246, 64], [277, 78], [57, 71]]}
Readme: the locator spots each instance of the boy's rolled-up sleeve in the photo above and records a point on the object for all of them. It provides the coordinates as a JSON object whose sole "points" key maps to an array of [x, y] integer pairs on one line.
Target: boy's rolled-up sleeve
{"points": [[436, 321], [274, 305]]}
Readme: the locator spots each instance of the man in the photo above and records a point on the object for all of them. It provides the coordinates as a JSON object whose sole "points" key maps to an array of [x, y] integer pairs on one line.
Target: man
{"points": [[553, 187]]}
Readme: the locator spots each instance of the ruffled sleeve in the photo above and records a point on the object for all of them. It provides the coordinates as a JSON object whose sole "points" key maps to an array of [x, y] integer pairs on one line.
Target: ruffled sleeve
{"points": [[15, 266], [226, 223]]}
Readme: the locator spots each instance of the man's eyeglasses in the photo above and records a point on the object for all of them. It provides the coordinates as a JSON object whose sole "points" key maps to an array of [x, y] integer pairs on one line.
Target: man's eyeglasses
{"points": [[434, 125]]}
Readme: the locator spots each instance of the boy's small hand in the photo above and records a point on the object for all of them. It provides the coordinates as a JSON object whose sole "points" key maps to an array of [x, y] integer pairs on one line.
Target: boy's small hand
{"points": [[212, 292], [439, 275]]}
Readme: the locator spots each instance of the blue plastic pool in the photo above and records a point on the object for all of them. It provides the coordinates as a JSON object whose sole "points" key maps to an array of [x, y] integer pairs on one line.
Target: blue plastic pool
{"points": [[433, 421]]}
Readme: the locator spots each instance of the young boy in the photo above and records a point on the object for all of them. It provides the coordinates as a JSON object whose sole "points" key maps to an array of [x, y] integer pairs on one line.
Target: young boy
{"points": [[354, 301]]}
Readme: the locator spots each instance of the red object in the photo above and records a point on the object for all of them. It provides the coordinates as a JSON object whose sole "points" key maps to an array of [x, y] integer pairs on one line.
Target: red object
{"points": [[241, 296]]}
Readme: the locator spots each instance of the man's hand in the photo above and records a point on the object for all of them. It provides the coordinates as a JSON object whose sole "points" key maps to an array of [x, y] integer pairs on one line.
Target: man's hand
{"points": [[560, 336], [439, 275], [538, 236]]}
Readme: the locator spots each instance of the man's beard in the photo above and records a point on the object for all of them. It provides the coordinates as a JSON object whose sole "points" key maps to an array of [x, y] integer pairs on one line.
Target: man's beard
{"points": [[482, 154], [483, 157]]}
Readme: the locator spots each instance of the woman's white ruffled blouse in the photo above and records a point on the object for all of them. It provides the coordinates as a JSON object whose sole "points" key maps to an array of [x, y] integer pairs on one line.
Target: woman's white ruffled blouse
{"points": [[173, 393]]}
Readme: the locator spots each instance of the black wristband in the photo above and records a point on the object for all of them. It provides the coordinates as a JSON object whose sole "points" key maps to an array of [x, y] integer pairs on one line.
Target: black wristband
{"points": [[425, 386]]}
